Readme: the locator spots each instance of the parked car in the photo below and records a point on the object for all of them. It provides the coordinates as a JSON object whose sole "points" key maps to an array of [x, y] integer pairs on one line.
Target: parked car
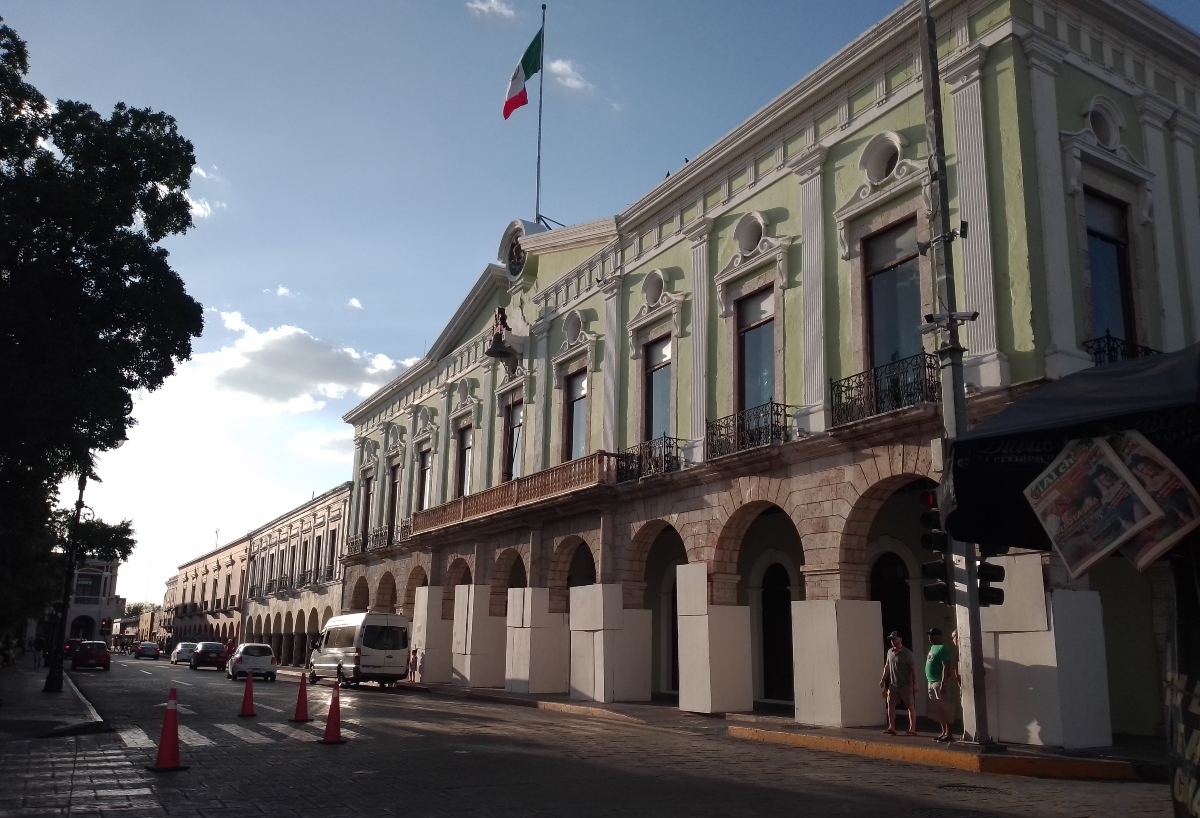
{"points": [[362, 647], [146, 649], [208, 654], [252, 658], [91, 654], [70, 647], [182, 652]]}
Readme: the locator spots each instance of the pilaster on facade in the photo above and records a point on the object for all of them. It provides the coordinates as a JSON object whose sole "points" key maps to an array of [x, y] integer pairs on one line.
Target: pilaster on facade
{"points": [[697, 233], [539, 402], [1154, 114], [409, 475], [1063, 355], [985, 365], [813, 416], [441, 493], [1185, 130], [612, 290]]}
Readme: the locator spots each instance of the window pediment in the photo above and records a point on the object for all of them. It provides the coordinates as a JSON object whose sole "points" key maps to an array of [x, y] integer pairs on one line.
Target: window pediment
{"points": [[755, 250], [659, 303], [579, 342], [1084, 146], [465, 403], [519, 380], [426, 431]]}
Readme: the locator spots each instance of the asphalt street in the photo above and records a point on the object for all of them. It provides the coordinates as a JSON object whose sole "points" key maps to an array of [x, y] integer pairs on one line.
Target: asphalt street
{"points": [[412, 754]]}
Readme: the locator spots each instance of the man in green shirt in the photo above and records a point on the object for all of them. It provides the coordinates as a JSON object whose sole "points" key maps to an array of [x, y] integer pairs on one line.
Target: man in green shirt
{"points": [[939, 675]]}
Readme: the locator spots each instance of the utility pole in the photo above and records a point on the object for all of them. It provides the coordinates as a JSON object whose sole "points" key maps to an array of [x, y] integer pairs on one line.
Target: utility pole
{"points": [[54, 671], [954, 396]]}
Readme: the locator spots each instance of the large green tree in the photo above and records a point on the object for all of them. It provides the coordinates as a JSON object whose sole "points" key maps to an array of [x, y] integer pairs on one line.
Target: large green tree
{"points": [[90, 309]]}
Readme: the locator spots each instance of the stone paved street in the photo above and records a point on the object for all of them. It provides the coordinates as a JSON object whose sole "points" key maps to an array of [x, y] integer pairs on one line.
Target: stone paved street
{"points": [[416, 755]]}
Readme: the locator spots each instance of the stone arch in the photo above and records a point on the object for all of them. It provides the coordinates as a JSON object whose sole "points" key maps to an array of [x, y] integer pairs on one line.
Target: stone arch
{"points": [[852, 548], [314, 625], [459, 573], [508, 572], [417, 578], [658, 550], [568, 556], [326, 615], [385, 594], [360, 598]]}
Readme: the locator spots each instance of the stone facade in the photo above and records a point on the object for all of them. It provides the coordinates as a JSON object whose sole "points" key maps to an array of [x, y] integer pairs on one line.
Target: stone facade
{"points": [[203, 602]]}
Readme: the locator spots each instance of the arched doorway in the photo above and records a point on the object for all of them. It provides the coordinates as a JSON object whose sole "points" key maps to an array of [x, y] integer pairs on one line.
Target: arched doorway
{"points": [[666, 553], [459, 573], [507, 573], [361, 598], [83, 627], [777, 634], [385, 594], [889, 587]]}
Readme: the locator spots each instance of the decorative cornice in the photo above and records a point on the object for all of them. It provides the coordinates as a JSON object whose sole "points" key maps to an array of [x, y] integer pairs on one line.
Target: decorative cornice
{"points": [[808, 163], [768, 250], [907, 176], [964, 66], [698, 230], [1042, 51], [1082, 146], [1185, 126], [1154, 111], [584, 234]]}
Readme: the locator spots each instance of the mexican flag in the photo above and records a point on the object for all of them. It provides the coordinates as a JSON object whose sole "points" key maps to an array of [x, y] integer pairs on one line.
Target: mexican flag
{"points": [[530, 64]]}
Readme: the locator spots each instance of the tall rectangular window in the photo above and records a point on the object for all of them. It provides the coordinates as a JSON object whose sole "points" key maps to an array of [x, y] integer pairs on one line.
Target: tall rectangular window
{"points": [[462, 475], [514, 422], [756, 349], [657, 389], [893, 294], [394, 494], [1108, 258], [575, 416], [425, 480], [367, 491], [332, 548], [228, 581]]}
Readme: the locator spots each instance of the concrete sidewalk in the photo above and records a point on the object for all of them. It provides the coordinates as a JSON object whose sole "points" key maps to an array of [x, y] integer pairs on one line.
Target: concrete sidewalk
{"points": [[1146, 763], [27, 712]]}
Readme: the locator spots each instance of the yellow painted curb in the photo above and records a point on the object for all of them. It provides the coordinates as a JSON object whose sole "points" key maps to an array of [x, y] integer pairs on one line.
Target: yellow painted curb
{"points": [[939, 757], [557, 707]]}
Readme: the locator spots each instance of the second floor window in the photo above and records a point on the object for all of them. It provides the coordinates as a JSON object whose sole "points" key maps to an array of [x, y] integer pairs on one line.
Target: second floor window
{"points": [[893, 294], [756, 349], [394, 495], [575, 416], [462, 474], [228, 580], [657, 389], [425, 480], [514, 422], [332, 548], [1108, 260], [368, 490]]}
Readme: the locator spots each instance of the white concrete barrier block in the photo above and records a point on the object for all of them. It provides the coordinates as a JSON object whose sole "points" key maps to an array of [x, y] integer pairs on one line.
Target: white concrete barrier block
{"points": [[632, 679], [537, 608], [1082, 668], [691, 580], [550, 656], [860, 661], [695, 683], [729, 652], [837, 651], [583, 670], [516, 661], [516, 608], [462, 613], [596, 607], [432, 637]]}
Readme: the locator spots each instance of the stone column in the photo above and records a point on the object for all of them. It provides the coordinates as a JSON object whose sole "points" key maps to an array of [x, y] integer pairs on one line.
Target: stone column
{"points": [[537, 405], [697, 233], [814, 414], [487, 420], [441, 488], [354, 524], [612, 365], [1063, 355], [1155, 114], [1185, 129], [411, 453], [985, 364]]}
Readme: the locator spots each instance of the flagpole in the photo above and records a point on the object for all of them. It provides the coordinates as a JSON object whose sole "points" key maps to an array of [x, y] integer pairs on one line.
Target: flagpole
{"points": [[537, 206]]}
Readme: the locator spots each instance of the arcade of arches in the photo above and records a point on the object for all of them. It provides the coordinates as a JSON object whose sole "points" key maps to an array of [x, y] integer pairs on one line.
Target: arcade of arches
{"points": [[806, 567]]}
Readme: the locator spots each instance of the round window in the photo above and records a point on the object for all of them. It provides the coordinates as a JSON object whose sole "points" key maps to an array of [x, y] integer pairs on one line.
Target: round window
{"points": [[748, 233], [882, 163], [1103, 128], [516, 257]]}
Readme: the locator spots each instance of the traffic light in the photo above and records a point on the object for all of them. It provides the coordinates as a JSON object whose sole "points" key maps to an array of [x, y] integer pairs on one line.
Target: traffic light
{"points": [[987, 574], [935, 539]]}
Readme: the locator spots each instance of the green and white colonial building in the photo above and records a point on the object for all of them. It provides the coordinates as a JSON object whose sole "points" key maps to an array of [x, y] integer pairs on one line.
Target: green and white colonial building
{"points": [[697, 472]]}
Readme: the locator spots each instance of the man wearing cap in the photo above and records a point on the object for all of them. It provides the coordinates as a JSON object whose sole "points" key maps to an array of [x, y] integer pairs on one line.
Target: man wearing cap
{"points": [[899, 683], [939, 674]]}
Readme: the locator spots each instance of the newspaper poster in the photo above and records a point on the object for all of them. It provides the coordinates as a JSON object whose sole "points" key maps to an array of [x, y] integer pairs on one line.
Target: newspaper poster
{"points": [[1089, 504], [1168, 487]]}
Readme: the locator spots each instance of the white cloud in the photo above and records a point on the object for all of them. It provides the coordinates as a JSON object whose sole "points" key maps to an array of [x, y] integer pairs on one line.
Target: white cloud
{"points": [[407, 362], [282, 291], [218, 446], [491, 8], [355, 303], [616, 106], [568, 75], [202, 208]]}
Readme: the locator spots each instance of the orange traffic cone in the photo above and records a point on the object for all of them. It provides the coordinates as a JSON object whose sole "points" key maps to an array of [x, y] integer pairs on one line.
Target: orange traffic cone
{"points": [[168, 742], [248, 697], [333, 722], [302, 700]]}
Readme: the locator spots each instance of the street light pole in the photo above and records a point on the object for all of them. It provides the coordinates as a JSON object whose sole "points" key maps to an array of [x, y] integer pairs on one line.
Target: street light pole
{"points": [[54, 669], [954, 395]]}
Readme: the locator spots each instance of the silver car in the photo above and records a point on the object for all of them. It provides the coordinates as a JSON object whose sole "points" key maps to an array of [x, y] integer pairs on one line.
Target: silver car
{"points": [[146, 649], [182, 652]]}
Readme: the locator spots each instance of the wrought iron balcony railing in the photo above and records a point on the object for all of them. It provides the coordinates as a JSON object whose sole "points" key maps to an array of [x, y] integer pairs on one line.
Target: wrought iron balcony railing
{"points": [[379, 537], [304, 578], [254, 591], [327, 574], [354, 544], [269, 588], [285, 583], [1109, 350], [656, 456], [402, 531], [748, 429], [907, 382]]}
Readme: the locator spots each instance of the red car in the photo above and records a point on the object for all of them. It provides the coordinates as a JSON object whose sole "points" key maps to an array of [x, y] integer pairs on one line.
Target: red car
{"points": [[208, 654], [91, 654]]}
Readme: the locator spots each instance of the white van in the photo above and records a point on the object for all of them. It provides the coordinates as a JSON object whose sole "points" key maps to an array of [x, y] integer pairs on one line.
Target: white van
{"points": [[361, 647]]}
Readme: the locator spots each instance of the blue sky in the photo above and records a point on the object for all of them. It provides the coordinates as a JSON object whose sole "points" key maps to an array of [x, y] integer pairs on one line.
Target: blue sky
{"points": [[357, 151]]}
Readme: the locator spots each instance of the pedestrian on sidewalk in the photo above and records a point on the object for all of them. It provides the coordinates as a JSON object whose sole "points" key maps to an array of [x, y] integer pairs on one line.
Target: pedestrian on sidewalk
{"points": [[39, 651], [899, 683], [939, 676]]}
